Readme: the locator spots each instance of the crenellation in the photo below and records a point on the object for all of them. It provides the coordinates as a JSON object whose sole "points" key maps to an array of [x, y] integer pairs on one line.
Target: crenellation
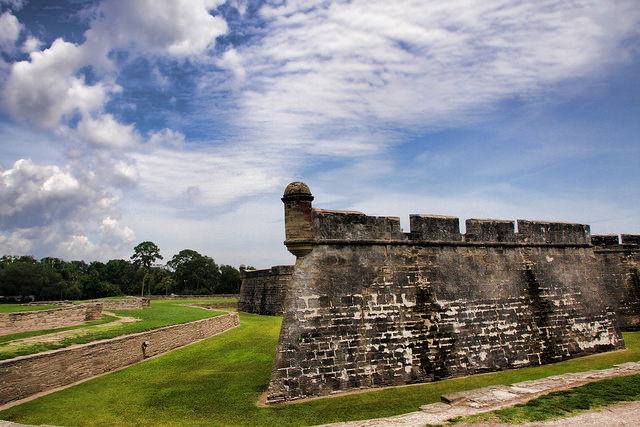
{"points": [[605, 240], [489, 230], [350, 225], [631, 239], [435, 228], [553, 232]]}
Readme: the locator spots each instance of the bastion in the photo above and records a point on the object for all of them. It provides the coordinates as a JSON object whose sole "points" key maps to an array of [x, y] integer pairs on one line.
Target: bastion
{"points": [[369, 305]]}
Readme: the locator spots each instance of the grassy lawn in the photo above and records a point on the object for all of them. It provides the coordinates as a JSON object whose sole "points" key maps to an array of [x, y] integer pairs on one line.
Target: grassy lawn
{"points": [[14, 308], [567, 402], [159, 314], [216, 382]]}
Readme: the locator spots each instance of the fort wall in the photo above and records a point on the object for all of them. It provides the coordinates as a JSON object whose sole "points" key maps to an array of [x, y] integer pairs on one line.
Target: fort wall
{"points": [[12, 323], [24, 376], [371, 306], [619, 260], [264, 291]]}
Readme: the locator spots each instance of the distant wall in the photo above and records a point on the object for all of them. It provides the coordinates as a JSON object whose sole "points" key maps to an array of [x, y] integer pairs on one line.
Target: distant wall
{"points": [[27, 375], [620, 275], [12, 323], [264, 291], [125, 303], [179, 297], [369, 305]]}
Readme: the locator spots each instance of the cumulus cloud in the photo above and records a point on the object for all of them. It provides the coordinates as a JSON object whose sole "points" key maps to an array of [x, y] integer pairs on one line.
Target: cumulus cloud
{"points": [[46, 90], [104, 131], [9, 31], [46, 207], [175, 27]]}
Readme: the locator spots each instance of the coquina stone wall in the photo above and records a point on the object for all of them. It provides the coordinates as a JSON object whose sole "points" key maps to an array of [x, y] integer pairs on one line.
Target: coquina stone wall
{"points": [[125, 303], [27, 375], [620, 264], [12, 323], [371, 306], [264, 291]]}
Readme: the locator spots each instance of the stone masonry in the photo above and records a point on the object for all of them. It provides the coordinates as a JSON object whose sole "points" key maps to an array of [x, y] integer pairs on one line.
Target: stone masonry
{"points": [[371, 306], [263, 291], [12, 323], [620, 275]]}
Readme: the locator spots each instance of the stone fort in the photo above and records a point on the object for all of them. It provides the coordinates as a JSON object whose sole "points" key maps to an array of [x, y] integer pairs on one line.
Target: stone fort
{"points": [[367, 305]]}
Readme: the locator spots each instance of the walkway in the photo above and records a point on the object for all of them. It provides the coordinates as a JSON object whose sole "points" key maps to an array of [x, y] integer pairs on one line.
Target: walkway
{"points": [[487, 399]]}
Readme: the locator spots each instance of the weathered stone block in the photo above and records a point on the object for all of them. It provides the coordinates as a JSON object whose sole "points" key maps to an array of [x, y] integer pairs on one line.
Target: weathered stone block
{"points": [[435, 228]]}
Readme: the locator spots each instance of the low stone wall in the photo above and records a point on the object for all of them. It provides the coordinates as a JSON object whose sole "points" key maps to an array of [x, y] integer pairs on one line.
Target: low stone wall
{"points": [[27, 375], [214, 296], [125, 303], [12, 323]]}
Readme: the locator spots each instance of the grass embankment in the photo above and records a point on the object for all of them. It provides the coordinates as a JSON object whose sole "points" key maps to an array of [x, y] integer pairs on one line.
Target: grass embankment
{"points": [[217, 382], [560, 404], [159, 314], [15, 308]]}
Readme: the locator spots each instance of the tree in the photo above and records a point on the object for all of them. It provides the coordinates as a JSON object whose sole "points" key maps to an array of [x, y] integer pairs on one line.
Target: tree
{"points": [[229, 280], [194, 273], [144, 255]]}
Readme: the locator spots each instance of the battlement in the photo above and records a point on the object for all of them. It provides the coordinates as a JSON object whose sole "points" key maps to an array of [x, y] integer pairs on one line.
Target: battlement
{"points": [[435, 228], [307, 226], [613, 241], [490, 230], [553, 232], [352, 225]]}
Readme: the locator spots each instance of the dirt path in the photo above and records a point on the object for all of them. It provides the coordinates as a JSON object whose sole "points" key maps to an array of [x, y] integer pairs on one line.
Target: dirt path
{"points": [[487, 399]]}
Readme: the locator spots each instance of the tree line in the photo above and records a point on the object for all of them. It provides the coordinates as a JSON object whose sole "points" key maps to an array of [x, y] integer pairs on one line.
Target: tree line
{"points": [[48, 279]]}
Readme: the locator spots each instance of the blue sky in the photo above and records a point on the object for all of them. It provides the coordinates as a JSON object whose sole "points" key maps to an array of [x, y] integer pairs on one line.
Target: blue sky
{"points": [[182, 122]]}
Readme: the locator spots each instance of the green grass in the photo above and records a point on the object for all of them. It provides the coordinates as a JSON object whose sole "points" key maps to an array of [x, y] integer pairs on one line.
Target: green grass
{"points": [[159, 314], [15, 308], [567, 402], [216, 382]]}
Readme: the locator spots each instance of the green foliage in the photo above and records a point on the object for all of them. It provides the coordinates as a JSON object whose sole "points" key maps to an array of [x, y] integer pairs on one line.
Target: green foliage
{"points": [[197, 274], [52, 279]]}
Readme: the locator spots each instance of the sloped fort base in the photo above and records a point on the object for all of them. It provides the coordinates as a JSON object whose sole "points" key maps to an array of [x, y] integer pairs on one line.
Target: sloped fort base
{"points": [[370, 306]]}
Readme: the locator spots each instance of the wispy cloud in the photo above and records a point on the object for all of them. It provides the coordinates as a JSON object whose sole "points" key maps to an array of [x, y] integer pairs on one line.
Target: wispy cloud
{"points": [[349, 94]]}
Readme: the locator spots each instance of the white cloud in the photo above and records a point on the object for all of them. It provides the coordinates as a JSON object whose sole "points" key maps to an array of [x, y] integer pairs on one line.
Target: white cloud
{"points": [[31, 44], [9, 31], [175, 27], [45, 89], [362, 67], [48, 209], [105, 132], [112, 232], [221, 176]]}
